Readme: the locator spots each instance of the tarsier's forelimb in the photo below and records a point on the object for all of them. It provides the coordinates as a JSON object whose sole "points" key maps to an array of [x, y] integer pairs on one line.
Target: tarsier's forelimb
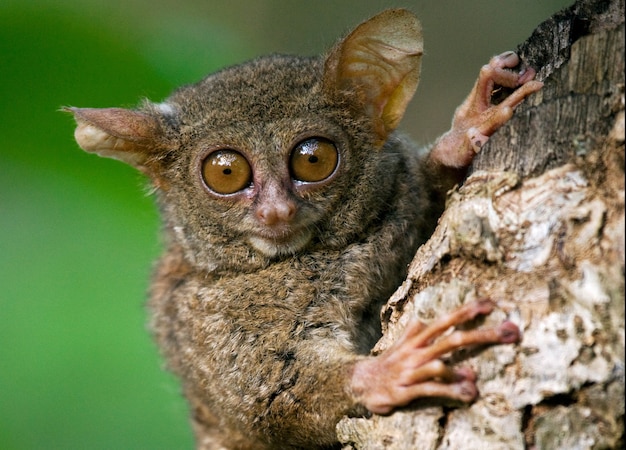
{"points": [[478, 118], [411, 368]]}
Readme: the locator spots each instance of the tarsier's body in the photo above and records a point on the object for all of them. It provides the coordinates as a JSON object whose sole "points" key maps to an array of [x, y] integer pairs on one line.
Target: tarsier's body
{"points": [[291, 211]]}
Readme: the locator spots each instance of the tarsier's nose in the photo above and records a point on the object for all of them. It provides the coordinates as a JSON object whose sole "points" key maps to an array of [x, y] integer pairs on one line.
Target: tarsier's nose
{"points": [[276, 211]]}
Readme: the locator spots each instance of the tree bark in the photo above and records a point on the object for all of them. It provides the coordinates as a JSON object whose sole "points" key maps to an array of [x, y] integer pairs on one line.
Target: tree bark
{"points": [[538, 227]]}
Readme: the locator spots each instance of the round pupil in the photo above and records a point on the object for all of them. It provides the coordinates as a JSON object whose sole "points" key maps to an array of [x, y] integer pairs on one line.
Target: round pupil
{"points": [[226, 172], [313, 160]]}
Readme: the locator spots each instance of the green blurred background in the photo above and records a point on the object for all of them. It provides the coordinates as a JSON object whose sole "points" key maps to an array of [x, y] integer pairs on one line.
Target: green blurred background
{"points": [[78, 234]]}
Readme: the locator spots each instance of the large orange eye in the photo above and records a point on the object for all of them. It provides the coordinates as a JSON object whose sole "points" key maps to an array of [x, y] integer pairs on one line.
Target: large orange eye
{"points": [[313, 160], [226, 171]]}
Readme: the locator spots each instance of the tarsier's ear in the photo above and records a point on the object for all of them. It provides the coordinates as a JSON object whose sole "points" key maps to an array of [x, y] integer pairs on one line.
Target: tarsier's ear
{"points": [[380, 59], [130, 136]]}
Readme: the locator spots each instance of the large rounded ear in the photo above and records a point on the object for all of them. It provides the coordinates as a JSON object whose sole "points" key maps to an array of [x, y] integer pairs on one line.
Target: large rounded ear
{"points": [[131, 136], [380, 60]]}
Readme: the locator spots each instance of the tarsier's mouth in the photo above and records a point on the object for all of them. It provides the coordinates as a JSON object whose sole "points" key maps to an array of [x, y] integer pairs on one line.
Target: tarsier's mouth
{"points": [[273, 244]]}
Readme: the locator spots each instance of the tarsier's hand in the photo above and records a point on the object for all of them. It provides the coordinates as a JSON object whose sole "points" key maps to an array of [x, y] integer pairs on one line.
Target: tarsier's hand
{"points": [[478, 118], [411, 368]]}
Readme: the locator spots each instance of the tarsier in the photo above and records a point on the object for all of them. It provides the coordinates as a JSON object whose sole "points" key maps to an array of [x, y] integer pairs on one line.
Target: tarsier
{"points": [[291, 209]]}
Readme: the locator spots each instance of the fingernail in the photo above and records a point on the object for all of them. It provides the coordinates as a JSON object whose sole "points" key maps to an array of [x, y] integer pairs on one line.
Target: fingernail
{"points": [[509, 332]]}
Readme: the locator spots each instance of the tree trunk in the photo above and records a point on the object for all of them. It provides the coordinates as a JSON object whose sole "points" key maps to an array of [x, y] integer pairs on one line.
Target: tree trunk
{"points": [[539, 228]]}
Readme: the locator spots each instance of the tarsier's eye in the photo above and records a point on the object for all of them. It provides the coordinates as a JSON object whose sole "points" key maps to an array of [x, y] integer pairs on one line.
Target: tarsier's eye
{"points": [[226, 171], [313, 160]]}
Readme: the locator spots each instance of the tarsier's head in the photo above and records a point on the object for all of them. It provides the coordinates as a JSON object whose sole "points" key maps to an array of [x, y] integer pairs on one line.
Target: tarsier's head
{"points": [[270, 156]]}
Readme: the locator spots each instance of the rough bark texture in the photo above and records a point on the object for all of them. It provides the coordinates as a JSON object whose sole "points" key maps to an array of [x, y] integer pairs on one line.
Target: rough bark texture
{"points": [[538, 227]]}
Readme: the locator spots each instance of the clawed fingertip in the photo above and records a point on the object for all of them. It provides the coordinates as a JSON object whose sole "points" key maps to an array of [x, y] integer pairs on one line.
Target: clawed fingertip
{"points": [[508, 59], [484, 306], [509, 332], [467, 391], [526, 74], [465, 374]]}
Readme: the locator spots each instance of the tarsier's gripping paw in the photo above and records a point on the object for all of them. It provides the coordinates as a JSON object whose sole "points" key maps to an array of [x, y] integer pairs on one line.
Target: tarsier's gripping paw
{"points": [[478, 117], [483, 116], [412, 368]]}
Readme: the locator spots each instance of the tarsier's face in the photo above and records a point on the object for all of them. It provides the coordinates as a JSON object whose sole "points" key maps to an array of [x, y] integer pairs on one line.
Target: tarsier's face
{"points": [[272, 168]]}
